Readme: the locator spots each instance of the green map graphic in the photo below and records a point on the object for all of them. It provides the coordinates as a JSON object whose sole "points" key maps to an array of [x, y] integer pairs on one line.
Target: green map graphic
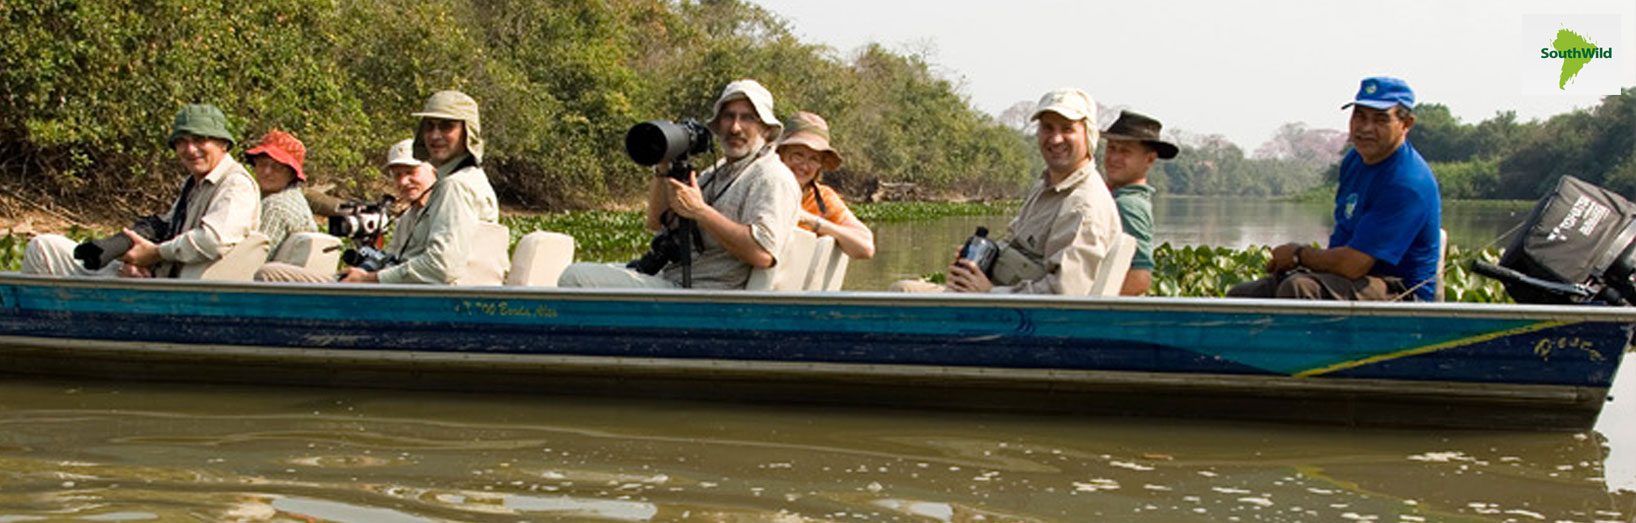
{"points": [[1566, 40]]}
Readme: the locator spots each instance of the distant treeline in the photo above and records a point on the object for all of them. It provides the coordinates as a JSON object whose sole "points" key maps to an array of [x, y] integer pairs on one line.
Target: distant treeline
{"points": [[88, 87], [1498, 158]]}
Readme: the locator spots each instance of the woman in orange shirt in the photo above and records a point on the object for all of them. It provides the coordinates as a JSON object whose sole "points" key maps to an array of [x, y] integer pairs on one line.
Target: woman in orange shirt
{"points": [[805, 149]]}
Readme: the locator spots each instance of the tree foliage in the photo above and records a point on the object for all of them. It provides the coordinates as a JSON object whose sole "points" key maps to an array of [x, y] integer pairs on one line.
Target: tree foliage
{"points": [[89, 87]]}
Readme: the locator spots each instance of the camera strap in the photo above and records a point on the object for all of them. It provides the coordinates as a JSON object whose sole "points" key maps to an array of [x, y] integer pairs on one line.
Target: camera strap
{"points": [[178, 219]]}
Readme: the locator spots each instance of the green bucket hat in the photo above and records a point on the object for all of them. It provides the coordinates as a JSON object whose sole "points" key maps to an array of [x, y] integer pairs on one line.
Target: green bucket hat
{"points": [[453, 105], [202, 120]]}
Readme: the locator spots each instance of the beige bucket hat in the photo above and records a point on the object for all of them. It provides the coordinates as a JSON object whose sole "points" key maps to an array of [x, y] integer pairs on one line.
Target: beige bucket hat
{"points": [[453, 105], [759, 97], [812, 131], [1075, 105]]}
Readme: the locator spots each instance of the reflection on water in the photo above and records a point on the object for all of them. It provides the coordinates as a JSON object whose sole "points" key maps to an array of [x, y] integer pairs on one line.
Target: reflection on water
{"points": [[908, 250], [121, 451]]}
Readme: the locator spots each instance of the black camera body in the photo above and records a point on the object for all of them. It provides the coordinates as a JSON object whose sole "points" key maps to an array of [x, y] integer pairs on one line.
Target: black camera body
{"points": [[655, 142], [369, 258], [362, 222], [96, 254]]}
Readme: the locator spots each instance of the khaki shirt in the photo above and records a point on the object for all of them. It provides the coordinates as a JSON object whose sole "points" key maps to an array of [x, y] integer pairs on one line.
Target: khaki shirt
{"points": [[758, 191], [224, 207], [1069, 227], [436, 242]]}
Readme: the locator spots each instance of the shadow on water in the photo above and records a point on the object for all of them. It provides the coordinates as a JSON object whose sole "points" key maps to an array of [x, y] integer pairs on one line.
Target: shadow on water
{"points": [[125, 451]]}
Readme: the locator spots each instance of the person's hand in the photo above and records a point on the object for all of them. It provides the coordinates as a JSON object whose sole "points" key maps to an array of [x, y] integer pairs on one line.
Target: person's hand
{"points": [[1283, 258], [356, 275], [133, 271], [685, 198], [143, 253], [964, 276], [808, 219]]}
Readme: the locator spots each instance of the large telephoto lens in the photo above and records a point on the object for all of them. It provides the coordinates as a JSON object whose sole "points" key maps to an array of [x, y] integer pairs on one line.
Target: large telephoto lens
{"points": [[657, 141]]}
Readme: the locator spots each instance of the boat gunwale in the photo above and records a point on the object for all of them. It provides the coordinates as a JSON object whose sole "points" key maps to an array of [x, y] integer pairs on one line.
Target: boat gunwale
{"points": [[1575, 313]]}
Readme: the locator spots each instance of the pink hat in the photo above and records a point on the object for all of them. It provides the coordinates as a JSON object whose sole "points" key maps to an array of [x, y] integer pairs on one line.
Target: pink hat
{"points": [[282, 148]]}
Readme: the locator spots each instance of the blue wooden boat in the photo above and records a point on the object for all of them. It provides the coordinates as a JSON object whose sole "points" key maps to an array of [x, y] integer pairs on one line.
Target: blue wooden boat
{"points": [[1533, 367]]}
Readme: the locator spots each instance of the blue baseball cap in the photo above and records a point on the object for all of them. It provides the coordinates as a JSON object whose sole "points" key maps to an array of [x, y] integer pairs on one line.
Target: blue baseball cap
{"points": [[1383, 92]]}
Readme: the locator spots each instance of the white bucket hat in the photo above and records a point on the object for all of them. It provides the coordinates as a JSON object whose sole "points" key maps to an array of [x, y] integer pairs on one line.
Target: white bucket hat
{"points": [[760, 98], [402, 153]]}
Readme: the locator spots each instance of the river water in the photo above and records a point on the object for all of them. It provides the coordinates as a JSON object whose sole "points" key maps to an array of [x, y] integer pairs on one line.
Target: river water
{"points": [[83, 450]]}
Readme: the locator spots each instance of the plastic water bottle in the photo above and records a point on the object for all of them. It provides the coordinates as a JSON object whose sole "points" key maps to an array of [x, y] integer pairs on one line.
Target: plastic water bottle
{"points": [[980, 250]]}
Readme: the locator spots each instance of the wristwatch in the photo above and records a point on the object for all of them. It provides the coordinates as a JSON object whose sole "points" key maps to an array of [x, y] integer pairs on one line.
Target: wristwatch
{"points": [[1298, 250]]}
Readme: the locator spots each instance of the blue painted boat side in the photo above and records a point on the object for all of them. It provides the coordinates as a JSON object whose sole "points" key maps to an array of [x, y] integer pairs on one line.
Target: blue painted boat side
{"points": [[1325, 344]]}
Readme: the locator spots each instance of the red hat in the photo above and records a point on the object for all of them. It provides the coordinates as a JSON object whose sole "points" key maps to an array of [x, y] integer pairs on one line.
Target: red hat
{"points": [[282, 148]]}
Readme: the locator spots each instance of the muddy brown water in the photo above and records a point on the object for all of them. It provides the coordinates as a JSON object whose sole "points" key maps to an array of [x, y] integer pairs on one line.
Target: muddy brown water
{"points": [[83, 450], [118, 451]]}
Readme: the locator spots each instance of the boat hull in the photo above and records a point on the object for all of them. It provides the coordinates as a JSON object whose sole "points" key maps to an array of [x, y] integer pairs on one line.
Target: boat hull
{"points": [[1403, 364]]}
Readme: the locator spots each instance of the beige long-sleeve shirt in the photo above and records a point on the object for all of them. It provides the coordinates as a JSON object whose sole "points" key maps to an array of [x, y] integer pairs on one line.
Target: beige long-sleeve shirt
{"points": [[224, 207], [1068, 226], [436, 242]]}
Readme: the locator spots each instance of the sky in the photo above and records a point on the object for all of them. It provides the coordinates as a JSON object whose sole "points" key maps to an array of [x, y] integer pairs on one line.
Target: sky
{"points": [[1240, 69]]}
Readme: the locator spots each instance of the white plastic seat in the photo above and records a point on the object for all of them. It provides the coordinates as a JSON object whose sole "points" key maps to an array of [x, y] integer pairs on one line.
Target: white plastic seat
{"points": [[487, 262], [539, 259], [238, 264], [816, 269], [1110, 274], [314, 251], [1442, 258], [791, 271], [835, 270]]}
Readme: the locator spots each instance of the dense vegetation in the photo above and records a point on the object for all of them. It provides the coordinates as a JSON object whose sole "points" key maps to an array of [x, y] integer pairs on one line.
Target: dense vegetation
{"points": [[1502, 158], [89, 87], [1498, 158]]}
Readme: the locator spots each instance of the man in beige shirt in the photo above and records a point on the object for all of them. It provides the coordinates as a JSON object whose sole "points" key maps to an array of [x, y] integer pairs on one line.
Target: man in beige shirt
{"points": [[745, 206], [219, 205], [1068, 219]]}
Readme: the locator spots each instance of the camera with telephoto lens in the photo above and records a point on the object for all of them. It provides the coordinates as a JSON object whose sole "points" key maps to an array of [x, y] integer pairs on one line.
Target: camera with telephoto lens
{"points": [[362, 221], [369, 258], [655, 142], [658, 141], [96, 254]]}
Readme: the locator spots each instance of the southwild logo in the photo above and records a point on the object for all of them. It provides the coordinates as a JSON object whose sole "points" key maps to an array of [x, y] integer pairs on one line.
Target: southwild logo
{"points": [[1575, 51]]}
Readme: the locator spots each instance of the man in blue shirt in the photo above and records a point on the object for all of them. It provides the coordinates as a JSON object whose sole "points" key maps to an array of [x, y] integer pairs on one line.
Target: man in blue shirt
{"points": [[1388, 215]]}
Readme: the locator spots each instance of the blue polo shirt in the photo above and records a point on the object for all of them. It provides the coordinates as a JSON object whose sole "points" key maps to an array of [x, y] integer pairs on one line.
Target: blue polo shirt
{"points": [[1392, 212]]}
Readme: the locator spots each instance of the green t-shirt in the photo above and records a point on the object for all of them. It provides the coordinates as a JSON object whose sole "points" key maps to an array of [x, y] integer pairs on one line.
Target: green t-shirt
{"points": [[1135, 203]]}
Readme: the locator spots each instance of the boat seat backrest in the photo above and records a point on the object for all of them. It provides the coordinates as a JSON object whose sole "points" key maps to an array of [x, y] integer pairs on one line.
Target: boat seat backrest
{"points": [[314, 251], [834, 270], [1110, 274], [539, 259], [816, 270], [1442, 258], [793, 264], [487, 262], [238, 264]]}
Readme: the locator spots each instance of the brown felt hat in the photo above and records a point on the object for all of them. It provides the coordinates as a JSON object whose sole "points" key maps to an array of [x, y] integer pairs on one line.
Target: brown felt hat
{"points": [[1135, 126]]}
